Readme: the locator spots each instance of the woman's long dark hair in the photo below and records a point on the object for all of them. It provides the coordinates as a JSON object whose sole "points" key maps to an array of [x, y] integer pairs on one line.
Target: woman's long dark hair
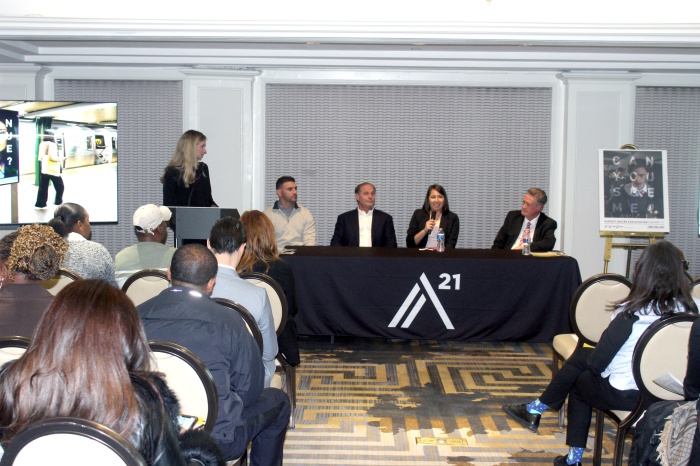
{"points": [[660, 282], [79, 362]]}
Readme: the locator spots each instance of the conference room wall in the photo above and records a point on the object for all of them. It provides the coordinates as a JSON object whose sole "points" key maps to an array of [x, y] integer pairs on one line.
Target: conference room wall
{"points": [[33, 82], [485, 145]]}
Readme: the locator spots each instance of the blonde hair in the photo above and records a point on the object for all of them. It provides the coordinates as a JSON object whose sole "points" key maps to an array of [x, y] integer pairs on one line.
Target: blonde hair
{"points": [[185, 156], [37, 252], [261, 245]]}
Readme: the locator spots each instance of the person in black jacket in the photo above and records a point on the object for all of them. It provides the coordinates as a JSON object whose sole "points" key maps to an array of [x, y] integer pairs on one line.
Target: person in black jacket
{"points": [[186, 180], [435, 214], [601, 377], [528, 221], [89, 358], [364, 226]]}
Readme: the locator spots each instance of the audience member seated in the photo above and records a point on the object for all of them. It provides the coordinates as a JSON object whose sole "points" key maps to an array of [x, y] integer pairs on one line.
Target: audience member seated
{"points": [[86, 258], [27, 256], [528, 222], [435, 214], [260, 255], [89, 358], [601, 377], [186, 315], [364, 226], [227, 241], [668, 433], [150, 252]]}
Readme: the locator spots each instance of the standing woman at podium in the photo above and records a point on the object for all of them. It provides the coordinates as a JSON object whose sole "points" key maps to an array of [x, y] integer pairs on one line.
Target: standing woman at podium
{"points": [[186, 180]]}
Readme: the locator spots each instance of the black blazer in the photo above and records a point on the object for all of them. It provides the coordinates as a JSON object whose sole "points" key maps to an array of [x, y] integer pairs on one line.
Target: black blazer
{"points": [[198, 194], [347, 230], [449, 223], [543, 240]]}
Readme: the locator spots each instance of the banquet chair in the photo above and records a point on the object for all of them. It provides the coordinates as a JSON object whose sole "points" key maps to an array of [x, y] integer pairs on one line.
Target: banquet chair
{"points": [[145, 284], [189, 378], [67, 440], [247, 318], [278, 303], [589, 314], [662, 348], [62, 278], [12, 348], [695, 291]]}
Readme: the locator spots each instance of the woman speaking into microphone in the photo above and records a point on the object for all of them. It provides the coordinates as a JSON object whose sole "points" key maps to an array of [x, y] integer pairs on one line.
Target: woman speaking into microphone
{"points": [[426, 222], [186, 180]]}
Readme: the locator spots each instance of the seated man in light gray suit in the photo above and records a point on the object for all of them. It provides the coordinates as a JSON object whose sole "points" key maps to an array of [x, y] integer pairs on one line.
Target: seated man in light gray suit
{"points": [[227, 241]]}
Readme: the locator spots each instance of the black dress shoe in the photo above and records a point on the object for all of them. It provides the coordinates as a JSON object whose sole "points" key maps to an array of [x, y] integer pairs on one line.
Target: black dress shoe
{"points": [[520, 413], [561, 461]]}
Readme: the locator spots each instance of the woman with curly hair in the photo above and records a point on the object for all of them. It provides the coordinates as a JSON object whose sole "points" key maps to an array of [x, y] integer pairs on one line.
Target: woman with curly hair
{"points": [[186, 180], [27, 256]]}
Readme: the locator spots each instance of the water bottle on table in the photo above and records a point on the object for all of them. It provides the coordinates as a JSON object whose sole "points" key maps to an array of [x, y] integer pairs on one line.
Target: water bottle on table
{"points": [[441, 240], [526, 246]]}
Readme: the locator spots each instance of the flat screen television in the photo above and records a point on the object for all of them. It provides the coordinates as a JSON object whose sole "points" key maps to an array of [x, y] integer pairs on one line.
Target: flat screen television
{"points": [[85, 138]]}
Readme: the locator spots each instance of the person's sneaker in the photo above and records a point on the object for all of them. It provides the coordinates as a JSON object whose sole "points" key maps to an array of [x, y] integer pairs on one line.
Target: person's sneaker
{"points": [[561, 461], [525, 418], [40, 208]]}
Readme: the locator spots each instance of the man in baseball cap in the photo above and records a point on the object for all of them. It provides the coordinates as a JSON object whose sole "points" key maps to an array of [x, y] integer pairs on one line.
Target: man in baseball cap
{"points": [[150, 252]]}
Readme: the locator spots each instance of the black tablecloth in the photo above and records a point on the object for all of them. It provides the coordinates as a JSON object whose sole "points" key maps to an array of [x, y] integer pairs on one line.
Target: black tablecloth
{"points": [[460, 294]]}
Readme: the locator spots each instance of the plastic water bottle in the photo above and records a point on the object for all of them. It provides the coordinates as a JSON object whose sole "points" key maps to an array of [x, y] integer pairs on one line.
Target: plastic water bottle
{"points": [[441, 240], [526, 246]]}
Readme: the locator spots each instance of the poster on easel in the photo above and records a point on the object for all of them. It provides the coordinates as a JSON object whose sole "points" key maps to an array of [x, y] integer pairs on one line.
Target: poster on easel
{"points": [[633, 191]]}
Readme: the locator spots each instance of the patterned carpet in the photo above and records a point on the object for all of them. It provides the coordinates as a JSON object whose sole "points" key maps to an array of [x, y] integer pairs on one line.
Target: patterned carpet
{"points": [[376, 402]]}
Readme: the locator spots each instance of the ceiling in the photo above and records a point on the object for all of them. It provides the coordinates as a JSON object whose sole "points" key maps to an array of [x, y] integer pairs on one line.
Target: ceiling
{"points": [[56, 42]]}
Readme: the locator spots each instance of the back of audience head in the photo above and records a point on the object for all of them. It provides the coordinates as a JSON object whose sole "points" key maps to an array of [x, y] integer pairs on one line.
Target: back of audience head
{"points": [[227, 236], [34, 252], [62, 374], [660, 281], [261, 245], [195, 266], [70, 217]]}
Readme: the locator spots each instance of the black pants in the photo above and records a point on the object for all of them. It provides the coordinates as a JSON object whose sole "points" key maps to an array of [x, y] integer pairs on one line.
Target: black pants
{"points": [[586, 391], [43, 194], [265, 425]]}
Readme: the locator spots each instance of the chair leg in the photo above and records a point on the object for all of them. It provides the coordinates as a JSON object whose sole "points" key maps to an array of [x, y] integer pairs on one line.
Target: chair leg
{"points": [[598, 439], [620, 445], [291, 382]]}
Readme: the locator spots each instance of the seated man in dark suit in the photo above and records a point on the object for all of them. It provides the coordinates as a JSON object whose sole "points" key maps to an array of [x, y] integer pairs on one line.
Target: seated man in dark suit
{"points": [[364, 226], [185, 314], [528, 222]]}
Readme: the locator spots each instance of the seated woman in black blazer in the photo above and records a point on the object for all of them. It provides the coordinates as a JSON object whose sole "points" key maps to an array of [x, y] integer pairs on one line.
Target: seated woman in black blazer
{"points": [[435, 214]]}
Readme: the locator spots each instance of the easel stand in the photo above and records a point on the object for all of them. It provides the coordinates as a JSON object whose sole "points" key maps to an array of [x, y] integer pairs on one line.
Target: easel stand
{"points": [[609, 245]]}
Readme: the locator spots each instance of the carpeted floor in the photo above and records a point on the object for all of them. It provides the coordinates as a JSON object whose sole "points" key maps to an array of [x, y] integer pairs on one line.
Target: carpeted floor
{"points": [[376, 402]]}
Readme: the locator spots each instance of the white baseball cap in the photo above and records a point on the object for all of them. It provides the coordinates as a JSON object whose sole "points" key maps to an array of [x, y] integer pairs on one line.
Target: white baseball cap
{"points": [[148, 217]]}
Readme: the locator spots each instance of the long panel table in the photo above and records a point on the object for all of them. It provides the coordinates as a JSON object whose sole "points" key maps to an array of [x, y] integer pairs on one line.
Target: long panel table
{"points": [[462, 294]]}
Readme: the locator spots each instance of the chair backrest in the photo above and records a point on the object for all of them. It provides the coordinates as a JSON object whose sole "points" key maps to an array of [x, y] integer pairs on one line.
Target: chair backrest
{"points": [[696, 288], [73, 441], [662, 348], [60, 281], [145, 284], [275, 293], [12, 348], [247, 318], [189, 378], [590, 311]]}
